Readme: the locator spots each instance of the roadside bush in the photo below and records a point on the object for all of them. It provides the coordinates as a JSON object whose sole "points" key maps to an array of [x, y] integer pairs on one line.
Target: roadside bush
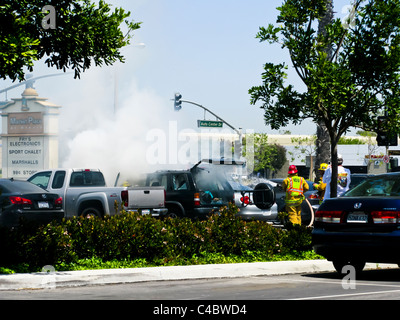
{"points": [[131, 236]]}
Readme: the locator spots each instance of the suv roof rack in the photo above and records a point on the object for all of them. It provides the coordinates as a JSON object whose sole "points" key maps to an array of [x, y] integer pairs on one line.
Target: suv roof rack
{"points": [[221, 161]]}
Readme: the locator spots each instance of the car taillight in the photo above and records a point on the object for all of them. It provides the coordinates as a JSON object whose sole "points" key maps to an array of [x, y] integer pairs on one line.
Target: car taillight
{"points": [[245, 200], [328, 216], [385, 216], [197, 199], [124, 197], [59, 201], [19, 200]]}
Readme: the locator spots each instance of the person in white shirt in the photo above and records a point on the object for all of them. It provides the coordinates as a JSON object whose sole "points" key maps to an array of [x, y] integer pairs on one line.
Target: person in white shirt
{"points": [[343, 179]]}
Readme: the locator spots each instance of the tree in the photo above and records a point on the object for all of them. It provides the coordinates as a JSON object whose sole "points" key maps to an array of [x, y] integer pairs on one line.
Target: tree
{"points": [[267, 157], [348, 88], [303, 148], [84, 33]]}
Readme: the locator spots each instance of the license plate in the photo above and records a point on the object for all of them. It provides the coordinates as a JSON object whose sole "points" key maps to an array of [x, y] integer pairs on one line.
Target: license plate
{"points": [[358, 217], [145, 211], [43, 205]]}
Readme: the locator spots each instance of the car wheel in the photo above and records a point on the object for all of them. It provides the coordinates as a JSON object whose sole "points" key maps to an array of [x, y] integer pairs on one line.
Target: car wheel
{"points": [[174, 212], [339, 264], [171, 215], [91, 212]]}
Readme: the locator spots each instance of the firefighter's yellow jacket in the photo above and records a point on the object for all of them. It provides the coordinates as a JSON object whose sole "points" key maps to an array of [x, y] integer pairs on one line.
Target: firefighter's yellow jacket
{"points": [[295, 187]]}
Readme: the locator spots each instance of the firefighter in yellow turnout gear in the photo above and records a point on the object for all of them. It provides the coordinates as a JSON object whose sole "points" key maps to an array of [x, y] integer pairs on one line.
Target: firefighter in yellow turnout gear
{"points": [[321, 186], [295, 187]]}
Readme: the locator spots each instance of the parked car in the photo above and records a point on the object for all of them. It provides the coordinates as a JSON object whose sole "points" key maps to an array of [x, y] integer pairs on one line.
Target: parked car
{"points": [[361, 226], [256, 201], [24, 201]]}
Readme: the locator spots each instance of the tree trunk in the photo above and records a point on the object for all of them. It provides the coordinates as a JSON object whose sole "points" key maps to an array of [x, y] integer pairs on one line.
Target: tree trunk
{"points": [[323, 142], [334, 163], [323, 147]]}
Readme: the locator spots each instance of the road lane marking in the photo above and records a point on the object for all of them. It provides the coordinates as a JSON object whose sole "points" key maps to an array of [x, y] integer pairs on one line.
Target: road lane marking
{"points": [[345, 295], [339, 282]]}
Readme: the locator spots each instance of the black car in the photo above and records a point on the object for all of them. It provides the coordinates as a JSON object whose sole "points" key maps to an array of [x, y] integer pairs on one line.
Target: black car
{"points": [[361, 226], [24, 201]]}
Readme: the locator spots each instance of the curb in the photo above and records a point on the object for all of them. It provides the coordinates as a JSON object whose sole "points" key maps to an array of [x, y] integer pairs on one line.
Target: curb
{"points": [[62, 279]]}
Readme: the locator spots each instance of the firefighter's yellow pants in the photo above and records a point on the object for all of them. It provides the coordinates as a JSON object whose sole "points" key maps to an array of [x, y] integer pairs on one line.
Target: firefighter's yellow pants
{"points": [[294, 213]]}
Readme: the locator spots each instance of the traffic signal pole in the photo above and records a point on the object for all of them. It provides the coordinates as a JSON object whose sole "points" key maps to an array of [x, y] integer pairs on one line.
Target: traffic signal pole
{"points": [[238, 131], [178, 101]]}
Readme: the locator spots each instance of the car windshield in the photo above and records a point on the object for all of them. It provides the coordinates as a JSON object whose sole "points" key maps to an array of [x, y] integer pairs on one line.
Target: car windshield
{"points": [[385, 185]]}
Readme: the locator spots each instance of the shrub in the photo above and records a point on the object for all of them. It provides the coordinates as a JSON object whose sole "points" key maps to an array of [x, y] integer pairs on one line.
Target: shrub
{"points": [[131, 236]]}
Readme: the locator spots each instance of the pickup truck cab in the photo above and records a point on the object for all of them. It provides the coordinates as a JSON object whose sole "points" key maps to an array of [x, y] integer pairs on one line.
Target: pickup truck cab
{"points": [[84, 191], [192, 193]]}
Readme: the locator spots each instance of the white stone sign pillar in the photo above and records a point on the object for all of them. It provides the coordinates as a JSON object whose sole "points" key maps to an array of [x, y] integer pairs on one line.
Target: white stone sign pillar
{"points": [[29, 135]]}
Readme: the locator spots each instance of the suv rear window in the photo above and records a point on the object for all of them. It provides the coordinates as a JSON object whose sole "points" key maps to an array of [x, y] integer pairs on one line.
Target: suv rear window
{"points": [[206, 180]]}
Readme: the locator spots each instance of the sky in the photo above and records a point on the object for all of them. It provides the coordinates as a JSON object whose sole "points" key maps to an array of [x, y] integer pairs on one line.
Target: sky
{"points": [[206, 50]]}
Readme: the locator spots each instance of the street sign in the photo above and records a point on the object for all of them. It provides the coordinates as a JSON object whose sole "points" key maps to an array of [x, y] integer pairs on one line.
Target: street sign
{"points": [[386, 159], [209, 124]]}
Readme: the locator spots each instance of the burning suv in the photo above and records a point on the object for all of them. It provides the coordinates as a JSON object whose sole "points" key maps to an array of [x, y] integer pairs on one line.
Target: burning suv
{"points": [[193, 193], [206, 187]]}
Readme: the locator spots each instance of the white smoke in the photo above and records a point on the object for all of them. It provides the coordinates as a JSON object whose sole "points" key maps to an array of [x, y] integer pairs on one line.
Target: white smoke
{"points": [[142, 135], [117, 142]]}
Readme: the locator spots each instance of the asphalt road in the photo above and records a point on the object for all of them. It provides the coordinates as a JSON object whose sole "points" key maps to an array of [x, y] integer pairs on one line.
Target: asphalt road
{"points": [[373, 284]]}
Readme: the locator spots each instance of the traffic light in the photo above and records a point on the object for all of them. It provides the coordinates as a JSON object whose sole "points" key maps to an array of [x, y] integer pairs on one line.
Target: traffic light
{"points": [[385, 137], [178, 102]]}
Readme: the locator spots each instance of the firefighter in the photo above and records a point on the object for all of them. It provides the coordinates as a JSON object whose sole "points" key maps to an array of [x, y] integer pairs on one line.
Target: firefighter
{"points": [[321, 186], [295, 187]]}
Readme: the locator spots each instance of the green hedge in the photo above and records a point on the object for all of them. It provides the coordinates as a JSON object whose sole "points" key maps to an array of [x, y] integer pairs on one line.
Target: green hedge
{"points": [[129, 236]]}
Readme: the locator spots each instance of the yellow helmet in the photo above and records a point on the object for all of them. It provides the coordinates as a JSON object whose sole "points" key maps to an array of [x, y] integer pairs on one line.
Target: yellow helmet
{"points": [[323, 166]]}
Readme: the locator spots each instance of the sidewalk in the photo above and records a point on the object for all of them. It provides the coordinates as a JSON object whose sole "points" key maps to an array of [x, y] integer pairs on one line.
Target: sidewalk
{"points": [[117, 276]]}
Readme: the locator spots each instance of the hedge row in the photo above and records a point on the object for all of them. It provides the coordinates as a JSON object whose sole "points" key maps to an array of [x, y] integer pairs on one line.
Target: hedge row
{"points": [[129, 236]]}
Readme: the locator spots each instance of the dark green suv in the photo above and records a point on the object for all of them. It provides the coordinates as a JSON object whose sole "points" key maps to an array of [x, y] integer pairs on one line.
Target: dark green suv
{"points": [[193, 193]]}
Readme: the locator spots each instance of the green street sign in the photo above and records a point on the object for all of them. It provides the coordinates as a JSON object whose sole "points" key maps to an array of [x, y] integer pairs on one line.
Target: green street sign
{"points": [[209, 124]]}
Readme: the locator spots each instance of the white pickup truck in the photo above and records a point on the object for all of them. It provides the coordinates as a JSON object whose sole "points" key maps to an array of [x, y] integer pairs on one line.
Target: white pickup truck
{"points": [[84, 192]]}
